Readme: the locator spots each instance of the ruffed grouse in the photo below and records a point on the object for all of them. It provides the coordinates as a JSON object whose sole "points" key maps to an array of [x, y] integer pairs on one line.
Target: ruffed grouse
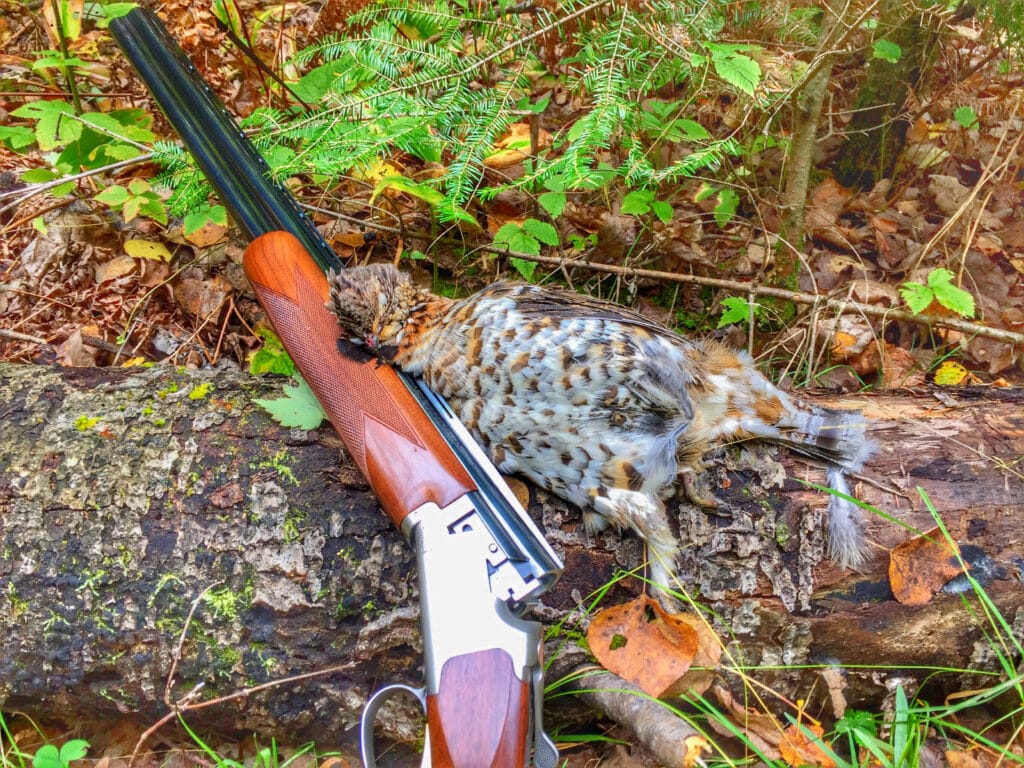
{"points": [[596, 403]]}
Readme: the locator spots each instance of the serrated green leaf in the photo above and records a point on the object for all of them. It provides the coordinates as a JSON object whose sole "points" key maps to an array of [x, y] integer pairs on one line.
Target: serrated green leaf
{"points": [[691, 129], [298, 408], [917, 296], [271, 357], [524, 267], [663, 211], [154, 208], [39, 175], [116, 10], [515, 238], [113, 196], [54, 126], [735, 68], [117, 151], [638, 202], [966, 116], [728, 203], [541, 230], [886, 51], [734, 310], [553, 203], [74, 749], [953, 298], [16, 136]]}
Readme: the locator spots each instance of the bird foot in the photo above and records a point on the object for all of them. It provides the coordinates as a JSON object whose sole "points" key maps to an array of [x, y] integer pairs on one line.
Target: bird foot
{"points": [[698, 496]]}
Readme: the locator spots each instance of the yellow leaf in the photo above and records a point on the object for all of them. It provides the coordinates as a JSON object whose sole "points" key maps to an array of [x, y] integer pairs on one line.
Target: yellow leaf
{"points": [[374, 173], [950, 374], [147, 249]]}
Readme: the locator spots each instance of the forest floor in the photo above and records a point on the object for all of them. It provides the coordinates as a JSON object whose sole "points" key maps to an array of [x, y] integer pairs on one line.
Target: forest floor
{"points": [[73, 293]]}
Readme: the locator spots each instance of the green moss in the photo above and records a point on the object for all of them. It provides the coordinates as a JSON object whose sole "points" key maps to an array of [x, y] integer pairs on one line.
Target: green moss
{"points": [[170, 389], [292, 520], [782, 534], [93, 579], [83, 423], [223, 603], [18, 605], [200, 391], [277, 463]]}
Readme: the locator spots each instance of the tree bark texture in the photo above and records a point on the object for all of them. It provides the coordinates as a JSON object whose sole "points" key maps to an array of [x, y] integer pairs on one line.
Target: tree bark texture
{"points": [[124, 494], [878, 130]]}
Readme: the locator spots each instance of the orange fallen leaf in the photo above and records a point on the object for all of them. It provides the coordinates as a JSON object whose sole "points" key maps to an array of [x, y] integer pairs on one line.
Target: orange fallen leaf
{"points": [[797, 748], [920, 567], [760, 728], [514, 146], [641, 643]]}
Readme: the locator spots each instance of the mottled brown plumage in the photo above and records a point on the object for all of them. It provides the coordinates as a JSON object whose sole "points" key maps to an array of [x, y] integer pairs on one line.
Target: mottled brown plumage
{"points": [[592, 401]]}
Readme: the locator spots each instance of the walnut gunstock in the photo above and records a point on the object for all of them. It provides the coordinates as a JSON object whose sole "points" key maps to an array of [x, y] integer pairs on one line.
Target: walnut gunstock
{"points": [[480, 716], [400, 452]]}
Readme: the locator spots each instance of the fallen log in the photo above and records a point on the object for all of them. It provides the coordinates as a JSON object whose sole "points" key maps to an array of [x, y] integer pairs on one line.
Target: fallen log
{"points": [[127, 494]]}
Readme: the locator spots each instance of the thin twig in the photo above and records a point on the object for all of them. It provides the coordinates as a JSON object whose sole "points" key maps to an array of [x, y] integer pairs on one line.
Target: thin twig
{"points": [[16, 336], [842, 306]]}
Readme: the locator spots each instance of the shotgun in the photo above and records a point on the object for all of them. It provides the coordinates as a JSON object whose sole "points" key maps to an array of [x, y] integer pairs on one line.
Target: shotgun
{"points": [[481, 560]]}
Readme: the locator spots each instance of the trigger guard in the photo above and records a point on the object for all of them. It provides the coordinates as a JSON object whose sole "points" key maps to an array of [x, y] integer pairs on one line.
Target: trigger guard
{"points": [[373, 705]]}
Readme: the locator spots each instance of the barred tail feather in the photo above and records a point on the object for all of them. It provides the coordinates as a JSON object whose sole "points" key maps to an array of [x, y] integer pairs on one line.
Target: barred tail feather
{"points": [[836, 438], [829, 435], [846, 545]]}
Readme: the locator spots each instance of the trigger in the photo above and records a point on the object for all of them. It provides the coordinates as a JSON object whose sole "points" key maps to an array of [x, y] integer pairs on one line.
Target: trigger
{"points": [[369, 717]]}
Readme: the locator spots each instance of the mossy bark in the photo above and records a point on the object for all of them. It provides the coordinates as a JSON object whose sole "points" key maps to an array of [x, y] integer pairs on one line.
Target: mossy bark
{"points": [[877, 133], [126, 493]]}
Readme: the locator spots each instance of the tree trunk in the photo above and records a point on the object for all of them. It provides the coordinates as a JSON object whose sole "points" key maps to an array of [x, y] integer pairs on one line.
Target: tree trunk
{"points": [[124, 494], [878, 130]]}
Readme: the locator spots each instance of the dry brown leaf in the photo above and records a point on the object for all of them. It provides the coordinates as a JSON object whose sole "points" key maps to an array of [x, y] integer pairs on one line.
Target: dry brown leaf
{"points": [[147, 249], [957, 759], [74, 352], [701, 674], [899, 368], [207, 235], [762, 729], [641, 643], [826, 203], [920, 567], [519, 490], [201, 298], [797, 749], [335, 762], [115, 268]]}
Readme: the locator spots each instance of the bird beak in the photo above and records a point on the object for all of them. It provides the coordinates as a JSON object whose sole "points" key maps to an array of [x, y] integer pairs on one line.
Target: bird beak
{"points": [[371, 341]]}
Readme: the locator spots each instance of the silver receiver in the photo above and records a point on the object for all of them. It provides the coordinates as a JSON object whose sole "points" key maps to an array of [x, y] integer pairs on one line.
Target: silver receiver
{"points": [[457, 554]]}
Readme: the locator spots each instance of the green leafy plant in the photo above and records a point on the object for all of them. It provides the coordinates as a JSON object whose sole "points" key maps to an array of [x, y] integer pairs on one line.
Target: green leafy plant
{"points": [[939, 289], [738, 310], [966, 116], [525, 238], [137, 199], [886, 51], [297, 407], [641, 201], [50, 756]]}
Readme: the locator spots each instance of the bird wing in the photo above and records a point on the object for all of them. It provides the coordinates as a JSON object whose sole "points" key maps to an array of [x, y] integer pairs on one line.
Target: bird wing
{"points": [[560, 304]]}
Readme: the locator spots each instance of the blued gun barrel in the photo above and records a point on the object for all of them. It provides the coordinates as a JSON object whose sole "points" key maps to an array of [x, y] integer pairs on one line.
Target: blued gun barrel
{"points": [[237, 172]]}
